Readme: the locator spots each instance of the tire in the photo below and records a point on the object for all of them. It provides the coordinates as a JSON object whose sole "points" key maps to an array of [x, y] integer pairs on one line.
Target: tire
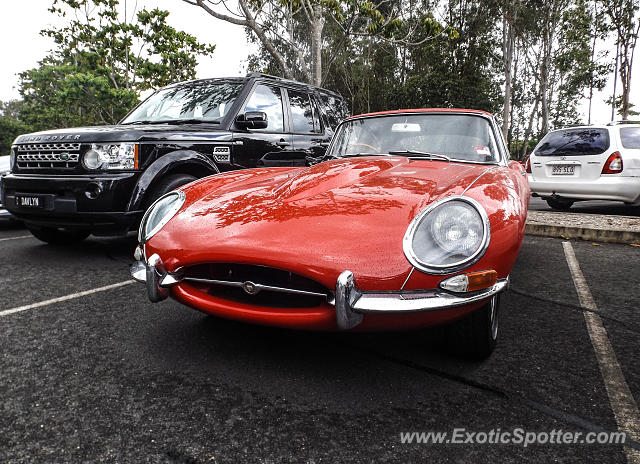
{"points": [[56, 236], [165, 185], [475, 336], [559, 205]]}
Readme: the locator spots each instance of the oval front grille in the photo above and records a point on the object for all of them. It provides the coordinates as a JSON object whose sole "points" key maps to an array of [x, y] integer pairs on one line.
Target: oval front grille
{"points": [[257, 285]]}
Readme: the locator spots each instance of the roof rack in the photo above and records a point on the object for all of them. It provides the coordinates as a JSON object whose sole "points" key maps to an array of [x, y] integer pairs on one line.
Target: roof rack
{"points": [[260, 74], [618, 123], [282, 79], [575, 125]]}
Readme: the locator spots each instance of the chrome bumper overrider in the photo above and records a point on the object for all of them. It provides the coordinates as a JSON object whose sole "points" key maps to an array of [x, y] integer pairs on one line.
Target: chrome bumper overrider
{"points": [[350, 302]]}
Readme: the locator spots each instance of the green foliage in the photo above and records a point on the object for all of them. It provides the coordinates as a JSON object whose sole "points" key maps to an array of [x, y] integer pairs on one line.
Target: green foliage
{"points": [[56, 95], [451, 65], [573, 62], [618, 104], [102, 63], [10, 125]]}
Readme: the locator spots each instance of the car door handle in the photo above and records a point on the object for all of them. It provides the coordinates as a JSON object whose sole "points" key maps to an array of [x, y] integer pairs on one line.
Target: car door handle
{"points": [[324, 144], [283, 143]]}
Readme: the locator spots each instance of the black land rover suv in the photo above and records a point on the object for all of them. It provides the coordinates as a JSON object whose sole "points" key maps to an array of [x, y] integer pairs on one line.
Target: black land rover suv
{"points": [[66, 184]]}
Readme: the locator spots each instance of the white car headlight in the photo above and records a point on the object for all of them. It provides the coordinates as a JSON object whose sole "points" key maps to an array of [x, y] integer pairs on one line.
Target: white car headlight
{"points": [[12, 159], [159, 214], [449, 235], [111, 156]]}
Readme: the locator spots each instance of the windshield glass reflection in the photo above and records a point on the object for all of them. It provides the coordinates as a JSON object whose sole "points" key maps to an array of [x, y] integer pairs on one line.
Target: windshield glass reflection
{"points": [[458, 137], [203, 101]]}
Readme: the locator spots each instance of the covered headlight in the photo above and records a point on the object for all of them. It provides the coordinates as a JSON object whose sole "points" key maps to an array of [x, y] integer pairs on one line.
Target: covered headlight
{"points": [[449, 235], [111, 156], [159, 214]]}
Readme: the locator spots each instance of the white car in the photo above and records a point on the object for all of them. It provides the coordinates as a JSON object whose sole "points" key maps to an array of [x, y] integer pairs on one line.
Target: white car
{"points": [[4, 168], [587, 163]]}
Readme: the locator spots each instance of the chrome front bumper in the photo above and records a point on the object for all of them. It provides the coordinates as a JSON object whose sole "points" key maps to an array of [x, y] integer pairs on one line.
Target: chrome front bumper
{"points": [[350, 302]]}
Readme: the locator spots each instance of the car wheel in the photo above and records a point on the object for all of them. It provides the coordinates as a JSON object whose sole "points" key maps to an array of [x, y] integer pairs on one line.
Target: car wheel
{"points": [[55, 236], [475, 335], [560, 205], [165, 185]]}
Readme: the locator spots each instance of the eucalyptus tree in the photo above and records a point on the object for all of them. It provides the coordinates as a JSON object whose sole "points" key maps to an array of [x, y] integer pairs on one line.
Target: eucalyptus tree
{"points": [[625, 21], [294, 33]]}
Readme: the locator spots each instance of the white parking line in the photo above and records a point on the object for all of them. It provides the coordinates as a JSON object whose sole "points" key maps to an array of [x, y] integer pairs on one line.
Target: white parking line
{"points": [[622, 403], [16, 238], [72, 296]]}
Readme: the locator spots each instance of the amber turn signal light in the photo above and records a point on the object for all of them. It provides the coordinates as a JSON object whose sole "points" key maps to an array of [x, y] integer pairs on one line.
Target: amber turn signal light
{"points": [[471, 282], [136, 156]]}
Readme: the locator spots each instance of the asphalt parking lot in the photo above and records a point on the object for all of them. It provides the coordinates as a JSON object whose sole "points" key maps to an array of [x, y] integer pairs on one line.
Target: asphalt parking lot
{"points": [[106, 376], [616, 208]]}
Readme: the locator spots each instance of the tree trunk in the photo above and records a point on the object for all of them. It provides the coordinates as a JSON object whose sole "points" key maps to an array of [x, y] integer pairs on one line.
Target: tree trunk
{"points": [[510, 131], [507, 58], [626, 66], [625, 80], [317, 26], [593, 55], [529, 128], [615, 82], [544, 81]]}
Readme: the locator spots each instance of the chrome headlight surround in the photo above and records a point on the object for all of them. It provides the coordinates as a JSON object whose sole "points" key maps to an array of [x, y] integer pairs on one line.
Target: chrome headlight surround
{"points": [[103, 157], [438, 268], [152, 222]]}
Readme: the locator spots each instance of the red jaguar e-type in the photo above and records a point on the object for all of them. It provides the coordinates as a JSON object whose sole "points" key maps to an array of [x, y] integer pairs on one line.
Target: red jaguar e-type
{"points": [[414, 218]]}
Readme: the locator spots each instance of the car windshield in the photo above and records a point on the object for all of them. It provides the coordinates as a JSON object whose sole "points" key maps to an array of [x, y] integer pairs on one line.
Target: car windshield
{"points": [[574, 142], [459, 137], [193, 102]]}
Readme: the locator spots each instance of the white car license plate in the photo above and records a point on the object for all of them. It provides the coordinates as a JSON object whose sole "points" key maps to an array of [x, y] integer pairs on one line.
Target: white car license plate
{"points": [[563, 169]]}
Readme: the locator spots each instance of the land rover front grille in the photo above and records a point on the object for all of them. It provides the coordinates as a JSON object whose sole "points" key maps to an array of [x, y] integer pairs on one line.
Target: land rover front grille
{"points": [[257, 285], [47, 155]]}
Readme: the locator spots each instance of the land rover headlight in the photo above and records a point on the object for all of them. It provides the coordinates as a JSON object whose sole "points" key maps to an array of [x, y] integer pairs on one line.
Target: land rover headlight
{"points": [[159, 214], [448, 236], [111, 156]]}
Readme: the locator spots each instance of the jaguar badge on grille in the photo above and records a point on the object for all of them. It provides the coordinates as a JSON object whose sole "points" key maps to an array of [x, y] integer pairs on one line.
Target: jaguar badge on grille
{"points": [[250, 288]]}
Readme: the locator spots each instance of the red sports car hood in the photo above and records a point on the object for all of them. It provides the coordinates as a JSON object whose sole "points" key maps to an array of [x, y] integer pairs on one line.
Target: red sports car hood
{"points": [[343, 214]]}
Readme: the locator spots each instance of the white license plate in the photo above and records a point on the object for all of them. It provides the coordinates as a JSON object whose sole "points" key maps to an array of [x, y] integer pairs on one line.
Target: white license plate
{"points": [[563, 169]]}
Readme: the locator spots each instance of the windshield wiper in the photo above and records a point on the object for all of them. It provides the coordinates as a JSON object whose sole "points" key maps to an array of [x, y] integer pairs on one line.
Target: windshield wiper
{"points": [[136, 123], [175, 121], [191, 121], [351, 155], [419, 154]]}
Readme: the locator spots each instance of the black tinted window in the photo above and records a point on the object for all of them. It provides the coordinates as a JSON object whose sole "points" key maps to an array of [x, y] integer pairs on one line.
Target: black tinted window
{"points": [[316, 116], [269, 100], [573, 142], [630, 137], [334, 109], [301, 112]]}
